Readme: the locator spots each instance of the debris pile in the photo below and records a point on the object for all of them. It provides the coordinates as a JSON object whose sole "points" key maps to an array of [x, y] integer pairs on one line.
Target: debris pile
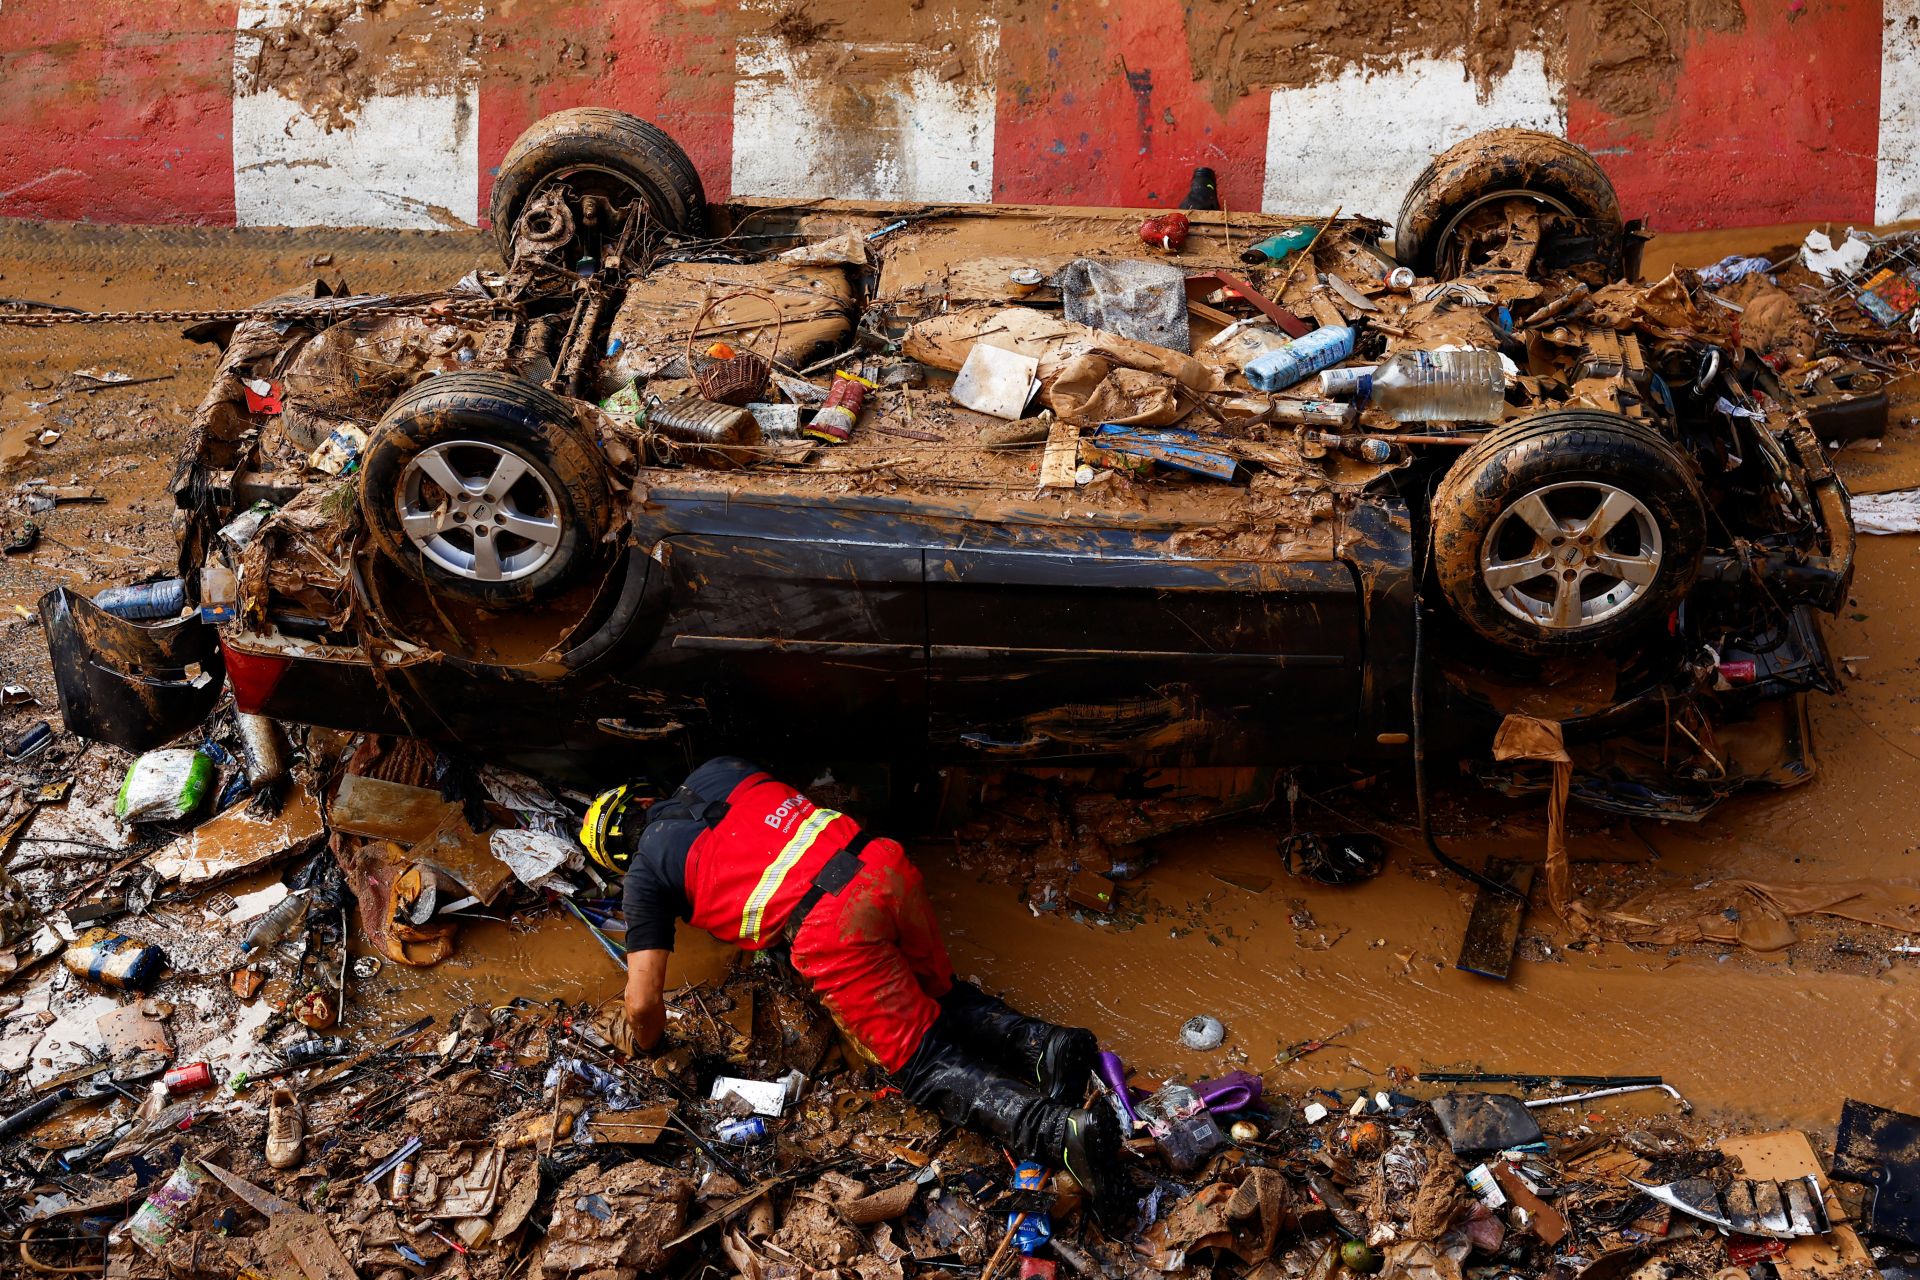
{"points": [[303, 1134], [466, 486]]}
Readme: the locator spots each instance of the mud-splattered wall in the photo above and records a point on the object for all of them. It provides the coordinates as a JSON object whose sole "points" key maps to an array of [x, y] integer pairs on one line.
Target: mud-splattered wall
{"points": [[390, 112]]}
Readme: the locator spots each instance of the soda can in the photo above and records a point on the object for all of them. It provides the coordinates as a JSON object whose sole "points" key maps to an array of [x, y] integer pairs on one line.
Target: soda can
{"points": [[1401, 279], [403, 1181], [191, 1078], [742, 1131]]}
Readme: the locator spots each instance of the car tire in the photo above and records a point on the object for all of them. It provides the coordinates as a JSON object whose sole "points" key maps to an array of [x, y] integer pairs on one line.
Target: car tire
{"points": [[484, 545], [1516, 550], [620, 151], [1498, 164]]}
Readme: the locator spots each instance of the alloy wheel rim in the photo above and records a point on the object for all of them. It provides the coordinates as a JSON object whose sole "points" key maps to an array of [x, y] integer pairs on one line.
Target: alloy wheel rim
{"points": [[1570, 556], [479, 511]]}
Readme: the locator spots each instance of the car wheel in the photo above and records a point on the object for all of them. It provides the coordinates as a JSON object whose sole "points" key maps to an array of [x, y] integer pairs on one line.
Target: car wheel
{"points": [[1567, 533], [598, 152], [1472, 180], [484, 488]]}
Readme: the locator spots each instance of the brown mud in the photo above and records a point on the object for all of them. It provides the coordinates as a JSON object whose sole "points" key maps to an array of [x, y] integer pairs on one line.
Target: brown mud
{"points": [[1777, 1038], [1623, 55]]}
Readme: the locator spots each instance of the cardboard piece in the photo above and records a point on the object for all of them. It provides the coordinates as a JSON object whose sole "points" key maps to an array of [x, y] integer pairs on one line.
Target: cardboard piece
{"points": [[238, 839], [1543, 1219], [388, 810], [456, 850], [641, 1126], [1062, 458]]}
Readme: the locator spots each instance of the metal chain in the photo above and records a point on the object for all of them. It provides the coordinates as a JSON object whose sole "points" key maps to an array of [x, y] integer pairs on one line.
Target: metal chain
{"points": [[462, 309]]}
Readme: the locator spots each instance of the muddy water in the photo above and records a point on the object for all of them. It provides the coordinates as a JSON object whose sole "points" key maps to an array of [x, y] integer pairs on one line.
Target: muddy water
{"points": [[1777, 1039]]}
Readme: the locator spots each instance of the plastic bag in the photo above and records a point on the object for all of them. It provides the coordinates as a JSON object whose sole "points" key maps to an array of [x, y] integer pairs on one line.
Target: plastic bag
{"points": [[160, 1216], [162, 786]]}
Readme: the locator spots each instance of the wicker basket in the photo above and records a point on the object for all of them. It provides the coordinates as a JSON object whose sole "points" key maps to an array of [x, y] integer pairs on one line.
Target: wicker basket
{"points": [[741, 378]]}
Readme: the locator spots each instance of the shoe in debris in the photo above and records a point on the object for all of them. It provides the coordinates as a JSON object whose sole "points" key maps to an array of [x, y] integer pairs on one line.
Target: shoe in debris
{"points": [[286, 1130]]}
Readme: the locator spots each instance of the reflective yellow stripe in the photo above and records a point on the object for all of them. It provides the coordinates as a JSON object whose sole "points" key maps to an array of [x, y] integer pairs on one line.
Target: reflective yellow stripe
{"points": [[776, 872]]}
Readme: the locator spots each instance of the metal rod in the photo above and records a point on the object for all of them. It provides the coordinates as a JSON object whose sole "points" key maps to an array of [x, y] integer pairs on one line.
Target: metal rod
{"points": [[613, 950], [1685, 1106], [1540, 1078]]}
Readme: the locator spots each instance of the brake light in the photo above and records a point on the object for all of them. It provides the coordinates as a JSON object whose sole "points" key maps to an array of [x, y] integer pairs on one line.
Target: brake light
{"points": [[253, 676]]}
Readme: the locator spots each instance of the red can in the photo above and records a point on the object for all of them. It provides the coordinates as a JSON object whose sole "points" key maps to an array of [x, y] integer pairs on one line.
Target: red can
{"points": [[191, 1078]]}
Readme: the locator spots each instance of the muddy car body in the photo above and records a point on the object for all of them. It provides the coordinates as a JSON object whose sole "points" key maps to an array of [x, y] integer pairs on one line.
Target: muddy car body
{"points": [[915, 596]]}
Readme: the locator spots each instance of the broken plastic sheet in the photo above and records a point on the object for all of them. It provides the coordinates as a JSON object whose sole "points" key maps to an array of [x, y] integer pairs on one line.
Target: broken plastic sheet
{"points": [[1832, 263], [1059, 344], [1090, 389], [1145, 301], [537, 857], [1897, 512], [527, 797]]}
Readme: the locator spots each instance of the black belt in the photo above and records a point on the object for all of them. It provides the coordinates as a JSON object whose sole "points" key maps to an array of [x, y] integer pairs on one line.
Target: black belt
{"points": [[837, 874]]}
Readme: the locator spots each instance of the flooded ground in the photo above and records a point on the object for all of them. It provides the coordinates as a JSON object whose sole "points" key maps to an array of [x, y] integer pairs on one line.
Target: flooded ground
{"points": [[1770, 1038]]}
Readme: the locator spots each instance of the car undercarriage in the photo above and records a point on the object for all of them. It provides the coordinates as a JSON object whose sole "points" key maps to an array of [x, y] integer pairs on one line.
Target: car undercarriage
{"points": [[604, 499]]}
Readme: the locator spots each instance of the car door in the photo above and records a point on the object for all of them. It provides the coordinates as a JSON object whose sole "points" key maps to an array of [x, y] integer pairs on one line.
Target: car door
{"points": [[806, 644], [1047, 655]]}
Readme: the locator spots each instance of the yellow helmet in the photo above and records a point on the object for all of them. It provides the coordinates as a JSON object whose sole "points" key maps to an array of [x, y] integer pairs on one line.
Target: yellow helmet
{"points": [[603, 826]]}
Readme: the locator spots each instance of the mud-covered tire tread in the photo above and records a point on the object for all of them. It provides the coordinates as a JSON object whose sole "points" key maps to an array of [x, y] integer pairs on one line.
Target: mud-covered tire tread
{"points": [[488, 406], [1524, 159], [1567, 444], [598, 135]]}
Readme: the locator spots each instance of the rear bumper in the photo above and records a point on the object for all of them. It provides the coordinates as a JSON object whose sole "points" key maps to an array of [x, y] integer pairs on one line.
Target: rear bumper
{"points": [[135, 685]]}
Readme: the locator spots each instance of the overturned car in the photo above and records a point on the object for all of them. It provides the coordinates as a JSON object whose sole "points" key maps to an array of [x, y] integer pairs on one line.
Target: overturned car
{"points": [[682, 478]]}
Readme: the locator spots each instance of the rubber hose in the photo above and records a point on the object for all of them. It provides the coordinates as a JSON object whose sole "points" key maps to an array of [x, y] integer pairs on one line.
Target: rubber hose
{"points": [[1420, 769]]}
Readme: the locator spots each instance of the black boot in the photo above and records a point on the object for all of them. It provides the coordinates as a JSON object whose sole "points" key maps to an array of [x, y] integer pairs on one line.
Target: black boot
{"points": [[947, 1079], [1056, 1060]]}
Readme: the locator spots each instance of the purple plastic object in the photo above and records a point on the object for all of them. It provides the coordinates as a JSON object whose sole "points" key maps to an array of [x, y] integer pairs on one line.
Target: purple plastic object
{"points": [[1113, 1073], [1235, 1091]]}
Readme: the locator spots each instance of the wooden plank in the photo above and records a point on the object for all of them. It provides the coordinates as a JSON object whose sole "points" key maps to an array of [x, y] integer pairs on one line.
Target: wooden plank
{"points": [[315, 1249], [1214, 314], [1062, 457], [1493, 930]]}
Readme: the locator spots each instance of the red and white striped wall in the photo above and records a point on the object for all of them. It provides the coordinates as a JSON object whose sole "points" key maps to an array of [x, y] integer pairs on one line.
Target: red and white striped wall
{"points": [[150, 111]]}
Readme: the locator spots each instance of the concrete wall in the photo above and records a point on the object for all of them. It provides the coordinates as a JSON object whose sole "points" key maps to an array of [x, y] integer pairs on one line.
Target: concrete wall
{"points": [[390, 112]]}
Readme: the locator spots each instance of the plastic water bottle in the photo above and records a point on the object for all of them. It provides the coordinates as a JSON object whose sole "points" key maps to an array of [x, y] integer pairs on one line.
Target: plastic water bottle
{"points": [[279, 921], [1300, 359], [146, 601], [1427, 386]]}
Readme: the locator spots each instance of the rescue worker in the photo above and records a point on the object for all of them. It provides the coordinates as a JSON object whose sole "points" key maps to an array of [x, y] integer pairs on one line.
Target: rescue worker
{"points": [[757, 864]]}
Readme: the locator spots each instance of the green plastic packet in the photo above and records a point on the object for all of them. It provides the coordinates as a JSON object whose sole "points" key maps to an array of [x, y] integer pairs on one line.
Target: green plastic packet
{"points": [[163, 786]]}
